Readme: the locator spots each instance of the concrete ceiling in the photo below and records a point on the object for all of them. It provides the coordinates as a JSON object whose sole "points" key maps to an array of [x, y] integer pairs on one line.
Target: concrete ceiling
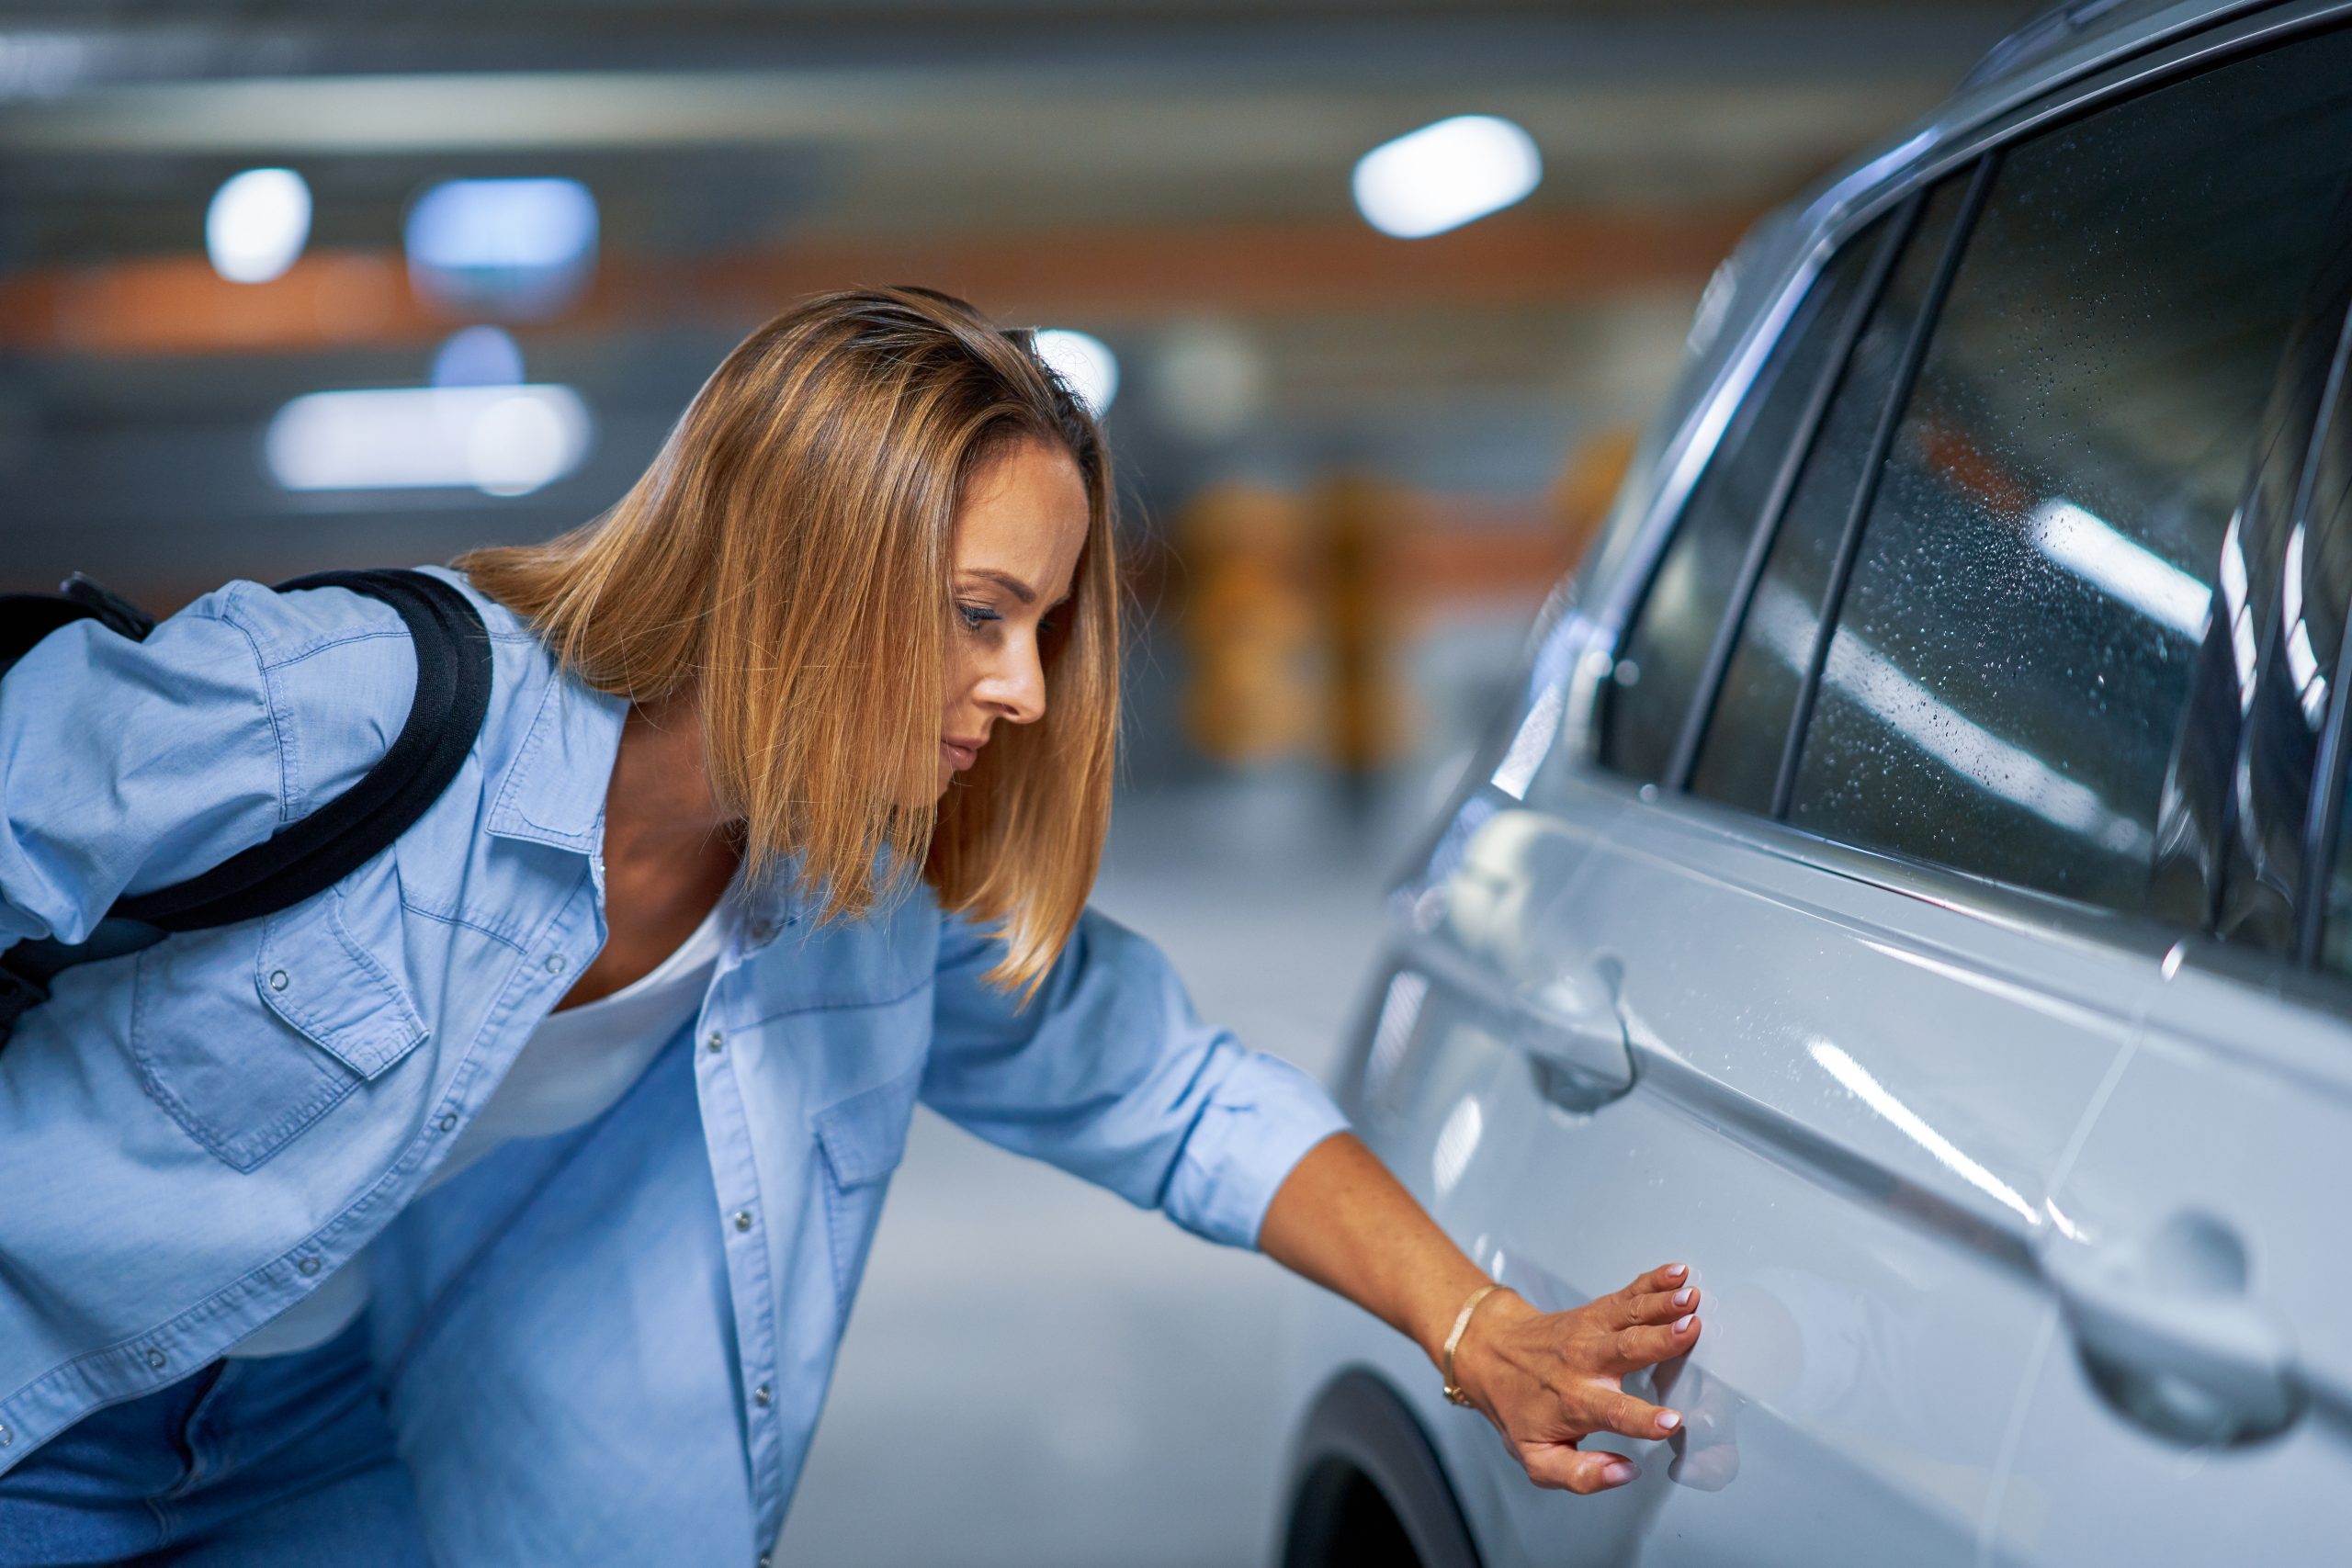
{"points": [[1166, 172]]}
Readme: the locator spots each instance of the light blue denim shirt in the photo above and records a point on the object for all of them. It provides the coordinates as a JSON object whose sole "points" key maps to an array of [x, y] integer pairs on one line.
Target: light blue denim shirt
{"points": [[606, 1346]]}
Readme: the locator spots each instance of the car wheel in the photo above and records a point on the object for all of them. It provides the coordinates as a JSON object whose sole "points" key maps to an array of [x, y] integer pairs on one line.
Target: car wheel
{"points": [[1367, 1490]]}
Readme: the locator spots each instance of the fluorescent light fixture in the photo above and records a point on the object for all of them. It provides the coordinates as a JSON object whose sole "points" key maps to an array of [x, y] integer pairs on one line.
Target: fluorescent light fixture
{"points": [[499, 440], [1085, 362], [2093, 549], [258, 224], [478, 356], [1443, 175], [522, 247]]}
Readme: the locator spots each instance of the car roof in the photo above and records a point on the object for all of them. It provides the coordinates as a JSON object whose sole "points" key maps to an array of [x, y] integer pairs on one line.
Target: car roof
{"points": [[2068, 41], [2123, 25]]}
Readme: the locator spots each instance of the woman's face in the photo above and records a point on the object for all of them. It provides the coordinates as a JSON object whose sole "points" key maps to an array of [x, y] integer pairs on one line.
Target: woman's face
{"points": [[1017, 541]]}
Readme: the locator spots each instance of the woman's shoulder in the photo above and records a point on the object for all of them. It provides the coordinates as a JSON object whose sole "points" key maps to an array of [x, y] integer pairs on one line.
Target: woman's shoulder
{"points": [[339, 672], [291, 625]]}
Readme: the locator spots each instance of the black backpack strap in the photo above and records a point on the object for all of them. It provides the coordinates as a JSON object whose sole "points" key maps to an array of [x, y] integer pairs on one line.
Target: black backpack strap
{"points": [[103, 604], [453, 677], [25, 618]]}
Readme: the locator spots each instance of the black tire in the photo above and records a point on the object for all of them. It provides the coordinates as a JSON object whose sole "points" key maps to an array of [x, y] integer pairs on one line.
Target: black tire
{"points": [[1366, 1488]]}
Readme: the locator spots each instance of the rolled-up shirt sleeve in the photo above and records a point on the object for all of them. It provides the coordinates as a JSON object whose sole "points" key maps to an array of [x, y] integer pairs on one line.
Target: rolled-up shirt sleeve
{"points": [[127, 765], [1108, 1073]]}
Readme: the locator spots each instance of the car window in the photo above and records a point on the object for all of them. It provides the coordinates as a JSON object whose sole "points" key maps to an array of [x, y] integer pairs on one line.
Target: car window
{"points": [[1739, 756], [2325, 590], [2236, 805], [1667, 651], [2012, 659]]}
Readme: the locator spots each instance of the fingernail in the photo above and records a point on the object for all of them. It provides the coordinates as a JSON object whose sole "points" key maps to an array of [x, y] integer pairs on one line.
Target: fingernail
{"points": [[1667, 1421], [1682, 1296], [1678, 1269], [1682, 1324], [1618, 1474]]}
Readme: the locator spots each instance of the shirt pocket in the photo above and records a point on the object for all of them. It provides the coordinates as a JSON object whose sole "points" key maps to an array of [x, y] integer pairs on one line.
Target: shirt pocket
{"points": [[247, 1040], [863, 1138]]}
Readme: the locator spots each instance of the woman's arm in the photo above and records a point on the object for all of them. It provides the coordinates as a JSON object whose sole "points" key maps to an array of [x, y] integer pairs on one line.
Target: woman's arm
{"points": [[126, 765], [1547, 1381]]}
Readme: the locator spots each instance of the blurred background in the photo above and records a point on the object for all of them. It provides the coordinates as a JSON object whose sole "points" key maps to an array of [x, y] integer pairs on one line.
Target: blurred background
{"points": [[1373, 296]]}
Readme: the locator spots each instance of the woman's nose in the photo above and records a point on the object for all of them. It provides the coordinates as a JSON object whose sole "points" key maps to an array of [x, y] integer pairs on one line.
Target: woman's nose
{"points": [[1015, 687]]}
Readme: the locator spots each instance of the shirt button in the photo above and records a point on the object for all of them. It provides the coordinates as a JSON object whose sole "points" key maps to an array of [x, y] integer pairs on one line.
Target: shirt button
{"points": [[763, 1562], [155, 1359], [760, 1396], [448, 1122], [714, 1042], [7, 1437], [555, 964], [309, 1266], [279, 979], [742, 1218]]}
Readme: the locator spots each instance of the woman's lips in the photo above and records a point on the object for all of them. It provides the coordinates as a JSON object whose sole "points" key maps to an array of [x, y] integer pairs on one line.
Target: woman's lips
{"points": [[959, 755]]}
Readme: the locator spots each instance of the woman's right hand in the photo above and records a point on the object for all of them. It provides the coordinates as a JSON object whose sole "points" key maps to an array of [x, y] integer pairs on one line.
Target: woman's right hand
{"points": [[1548, 1380]]}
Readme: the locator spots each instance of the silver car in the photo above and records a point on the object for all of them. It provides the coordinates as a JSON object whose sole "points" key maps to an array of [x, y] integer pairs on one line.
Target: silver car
{"points": [[1913, 887]]}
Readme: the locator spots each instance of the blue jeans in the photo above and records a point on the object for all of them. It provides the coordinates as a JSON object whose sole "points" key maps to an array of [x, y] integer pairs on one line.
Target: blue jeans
{"points": [[249, 1464]]}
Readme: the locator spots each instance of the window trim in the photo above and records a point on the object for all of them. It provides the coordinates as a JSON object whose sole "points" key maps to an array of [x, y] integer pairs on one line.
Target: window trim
{"points": [[1835, 217], [1826, 224], [2028, 910], [1865, 496], [1700, 717]]}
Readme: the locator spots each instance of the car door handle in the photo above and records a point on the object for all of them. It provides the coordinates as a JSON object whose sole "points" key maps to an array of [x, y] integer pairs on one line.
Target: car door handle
{"points": [[1570, 1028], [1582, 1059], [2171, 1338]]}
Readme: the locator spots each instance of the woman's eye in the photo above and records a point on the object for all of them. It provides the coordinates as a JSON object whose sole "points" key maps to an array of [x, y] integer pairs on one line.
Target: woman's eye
{"points": [[976, 615]]}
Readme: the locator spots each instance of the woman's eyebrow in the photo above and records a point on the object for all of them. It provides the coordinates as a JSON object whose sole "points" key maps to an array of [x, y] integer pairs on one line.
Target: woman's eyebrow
{"points": [[1007, 582]]}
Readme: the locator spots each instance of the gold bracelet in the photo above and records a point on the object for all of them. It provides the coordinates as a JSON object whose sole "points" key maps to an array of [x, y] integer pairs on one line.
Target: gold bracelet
{"points": [[1462, 1320]]}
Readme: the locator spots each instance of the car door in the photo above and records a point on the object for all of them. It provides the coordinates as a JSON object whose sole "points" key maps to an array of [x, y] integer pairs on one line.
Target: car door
{"points": [[2192, 1400], [1873, 999], [1783, 1115]]}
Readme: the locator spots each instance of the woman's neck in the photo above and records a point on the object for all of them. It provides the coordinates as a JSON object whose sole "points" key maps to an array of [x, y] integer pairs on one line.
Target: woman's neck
{"points": [[660, 802]]}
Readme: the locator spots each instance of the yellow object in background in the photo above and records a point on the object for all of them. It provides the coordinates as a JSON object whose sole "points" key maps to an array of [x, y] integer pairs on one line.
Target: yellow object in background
{"points": [[1247, 624], [1359, 522]]}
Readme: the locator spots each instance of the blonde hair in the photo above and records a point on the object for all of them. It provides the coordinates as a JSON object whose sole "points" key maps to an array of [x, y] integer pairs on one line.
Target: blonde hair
{"points": [[788, 553]]}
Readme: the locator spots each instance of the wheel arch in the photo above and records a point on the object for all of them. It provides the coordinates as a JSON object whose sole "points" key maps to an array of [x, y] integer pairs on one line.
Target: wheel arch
{"points": [[1360, 1448]]}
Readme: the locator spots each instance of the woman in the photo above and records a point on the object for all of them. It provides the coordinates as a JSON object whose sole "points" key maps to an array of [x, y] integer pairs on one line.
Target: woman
{"points": [[506, 1203]]}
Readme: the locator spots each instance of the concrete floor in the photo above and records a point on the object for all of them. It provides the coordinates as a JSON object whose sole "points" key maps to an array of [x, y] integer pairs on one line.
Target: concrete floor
{"points": [[1037, 1374]]}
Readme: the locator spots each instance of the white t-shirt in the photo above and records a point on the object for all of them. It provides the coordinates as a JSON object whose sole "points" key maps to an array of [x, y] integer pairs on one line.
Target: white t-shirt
{"points": [[574, 1067]]}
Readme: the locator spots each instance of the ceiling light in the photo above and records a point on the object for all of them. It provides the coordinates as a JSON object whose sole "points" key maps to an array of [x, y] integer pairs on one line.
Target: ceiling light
{"points": [[520, 247], [478, 356], [1083, 361], [499, 440], [256, 224], [1443, 175]]}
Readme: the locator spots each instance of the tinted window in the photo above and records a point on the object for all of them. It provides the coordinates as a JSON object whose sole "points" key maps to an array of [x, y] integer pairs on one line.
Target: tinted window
{"points": [[2324, 591], [2231, 821], [1740, 756], [1667, 651], [2013, 657]]}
